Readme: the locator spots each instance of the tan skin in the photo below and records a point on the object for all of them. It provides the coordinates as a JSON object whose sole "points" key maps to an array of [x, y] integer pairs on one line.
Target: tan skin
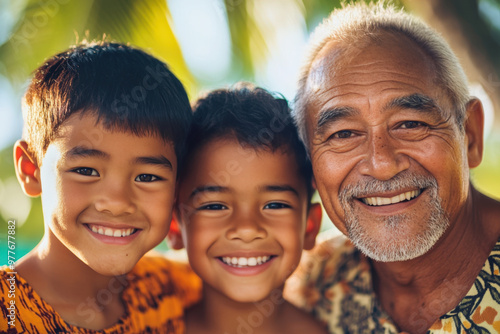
{"points": [[259, 209], [379, 141], [116, 182]]}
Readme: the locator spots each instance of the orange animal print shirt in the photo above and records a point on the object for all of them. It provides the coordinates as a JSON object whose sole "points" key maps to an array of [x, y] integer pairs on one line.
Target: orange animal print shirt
{"points": [[155, 294]]}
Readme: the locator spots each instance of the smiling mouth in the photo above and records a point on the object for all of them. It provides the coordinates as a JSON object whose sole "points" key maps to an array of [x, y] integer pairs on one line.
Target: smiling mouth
{"points": [[403, 197], [112, 232], [242, 262]]}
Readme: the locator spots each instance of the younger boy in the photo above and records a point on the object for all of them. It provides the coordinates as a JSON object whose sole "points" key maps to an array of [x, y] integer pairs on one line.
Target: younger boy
{"points": [[105, 130], [244, 203]]}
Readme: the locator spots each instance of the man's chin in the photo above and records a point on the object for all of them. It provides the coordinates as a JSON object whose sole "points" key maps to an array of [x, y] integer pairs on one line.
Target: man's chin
{"points": [[394, 244]]}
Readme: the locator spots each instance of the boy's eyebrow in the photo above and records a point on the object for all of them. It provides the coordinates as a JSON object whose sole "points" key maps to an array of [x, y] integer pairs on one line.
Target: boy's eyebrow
{"points": [[158, 160], [279, 188], [83, 152], [210, 189]]}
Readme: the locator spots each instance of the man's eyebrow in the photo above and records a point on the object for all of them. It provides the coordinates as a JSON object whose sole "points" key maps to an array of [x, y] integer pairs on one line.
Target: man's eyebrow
{"points": [[416, 101], [208, 189], [158, 160], [279, 188], [331, 115], [84, 152]]}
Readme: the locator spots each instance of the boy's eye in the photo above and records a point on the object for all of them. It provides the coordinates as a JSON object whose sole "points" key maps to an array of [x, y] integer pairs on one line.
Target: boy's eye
{"points": [[147, 178], [213, 207], [277, 205], [86, 171]]}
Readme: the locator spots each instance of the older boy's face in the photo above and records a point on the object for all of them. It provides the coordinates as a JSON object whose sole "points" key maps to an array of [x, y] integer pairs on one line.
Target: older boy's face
{"points": [[243, 218], [107, 196]]}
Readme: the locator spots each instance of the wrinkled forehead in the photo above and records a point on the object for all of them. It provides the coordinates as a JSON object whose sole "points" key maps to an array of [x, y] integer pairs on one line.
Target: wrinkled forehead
{"points": [[341, 67], [388, 52]]}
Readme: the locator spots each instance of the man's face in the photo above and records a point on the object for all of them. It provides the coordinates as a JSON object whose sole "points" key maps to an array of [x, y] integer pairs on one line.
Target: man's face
{"points": [[243, 216], [107, 196], [389, 161]]}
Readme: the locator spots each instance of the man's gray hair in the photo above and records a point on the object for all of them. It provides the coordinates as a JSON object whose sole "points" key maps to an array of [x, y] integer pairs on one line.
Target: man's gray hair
{"points": [[355, 23]]}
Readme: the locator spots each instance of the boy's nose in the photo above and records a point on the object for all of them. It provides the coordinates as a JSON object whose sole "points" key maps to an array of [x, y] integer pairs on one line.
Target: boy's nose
{"points": [[115, 199], [246, 228]]}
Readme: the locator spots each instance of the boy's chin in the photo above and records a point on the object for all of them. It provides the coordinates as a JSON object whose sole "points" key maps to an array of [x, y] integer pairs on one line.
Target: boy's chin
{"points": [[113, 268]]}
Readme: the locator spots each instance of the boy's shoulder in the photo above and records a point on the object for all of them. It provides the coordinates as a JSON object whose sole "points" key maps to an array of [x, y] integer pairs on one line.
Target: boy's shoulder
{"points": [[298, 321], [23, 307], [155, 286], [162, 278]]}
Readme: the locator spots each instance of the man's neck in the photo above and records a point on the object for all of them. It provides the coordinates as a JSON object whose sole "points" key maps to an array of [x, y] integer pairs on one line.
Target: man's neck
{"points": [[417, 292]]}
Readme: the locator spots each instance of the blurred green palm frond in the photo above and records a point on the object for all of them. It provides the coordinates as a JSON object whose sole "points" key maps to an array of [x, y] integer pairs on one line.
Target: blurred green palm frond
{"points": [[45, 28]]}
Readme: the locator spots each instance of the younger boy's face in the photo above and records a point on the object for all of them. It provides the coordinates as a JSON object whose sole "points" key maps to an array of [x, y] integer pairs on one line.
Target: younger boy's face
{"points": [[107, 196], [243, 216]]}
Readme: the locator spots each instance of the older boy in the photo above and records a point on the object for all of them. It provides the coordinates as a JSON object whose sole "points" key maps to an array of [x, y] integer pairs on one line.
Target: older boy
{"points": [[105, 127]]}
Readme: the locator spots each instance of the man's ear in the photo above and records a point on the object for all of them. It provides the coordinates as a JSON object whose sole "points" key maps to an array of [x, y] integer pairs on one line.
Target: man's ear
{"points": [[474, 127], [313, 225], [174, 236], [27, 170]]}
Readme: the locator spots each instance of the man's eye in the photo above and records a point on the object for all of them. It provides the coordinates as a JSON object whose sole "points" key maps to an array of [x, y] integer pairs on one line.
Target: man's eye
{"points": [[85, 171], [213, 207], [411, 124], [276, 205], [342, 134], [147, 178]]}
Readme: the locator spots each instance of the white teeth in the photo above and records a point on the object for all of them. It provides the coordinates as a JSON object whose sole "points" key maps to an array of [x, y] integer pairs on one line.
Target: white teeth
{"points": [[111, 232], [376, 201], [245, 261]]}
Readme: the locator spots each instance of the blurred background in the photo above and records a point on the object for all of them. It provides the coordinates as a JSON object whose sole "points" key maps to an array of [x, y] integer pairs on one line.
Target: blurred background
{"points": [[210, 44]]}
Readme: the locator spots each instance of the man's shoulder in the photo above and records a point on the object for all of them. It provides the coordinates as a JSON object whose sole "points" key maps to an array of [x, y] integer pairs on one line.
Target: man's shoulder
{"points": [[332, 265], [336, 252]]}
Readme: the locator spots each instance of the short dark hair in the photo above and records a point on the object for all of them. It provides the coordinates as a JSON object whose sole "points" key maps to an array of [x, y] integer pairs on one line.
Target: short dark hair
{"points": [[124, 87], [255, 117]]}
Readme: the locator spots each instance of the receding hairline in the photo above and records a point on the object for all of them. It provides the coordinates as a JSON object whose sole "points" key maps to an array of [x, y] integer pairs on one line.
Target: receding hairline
{"points": [[361, 21], [336, 54]]}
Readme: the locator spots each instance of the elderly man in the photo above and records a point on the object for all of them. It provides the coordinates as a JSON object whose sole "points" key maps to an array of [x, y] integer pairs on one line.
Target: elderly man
{"points": [[392, 132]]}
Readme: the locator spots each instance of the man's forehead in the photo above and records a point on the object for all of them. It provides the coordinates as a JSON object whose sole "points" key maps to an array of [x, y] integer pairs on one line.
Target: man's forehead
{"points": [[385, 56]]}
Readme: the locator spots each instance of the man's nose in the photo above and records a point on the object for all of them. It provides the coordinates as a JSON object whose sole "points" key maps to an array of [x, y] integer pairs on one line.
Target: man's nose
{"points": [[383, 158]]}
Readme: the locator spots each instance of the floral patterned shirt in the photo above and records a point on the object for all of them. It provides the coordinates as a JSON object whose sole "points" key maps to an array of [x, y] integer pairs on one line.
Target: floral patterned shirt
{"points": [[334, 283]]}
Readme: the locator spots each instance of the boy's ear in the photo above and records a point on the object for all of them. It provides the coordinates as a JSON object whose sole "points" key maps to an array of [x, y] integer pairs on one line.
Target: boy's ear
{"points": [[27, 170], [313, 181], [174, 236], [474, 127], [313, 225]]}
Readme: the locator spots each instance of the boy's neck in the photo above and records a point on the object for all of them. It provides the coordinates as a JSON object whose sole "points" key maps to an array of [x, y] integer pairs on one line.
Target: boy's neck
{"points": [[71, 287], [217, 313]]}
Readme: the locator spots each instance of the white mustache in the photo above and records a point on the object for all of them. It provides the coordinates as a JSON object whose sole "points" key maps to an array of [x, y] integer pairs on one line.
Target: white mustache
{"points": [[399, 182]]}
